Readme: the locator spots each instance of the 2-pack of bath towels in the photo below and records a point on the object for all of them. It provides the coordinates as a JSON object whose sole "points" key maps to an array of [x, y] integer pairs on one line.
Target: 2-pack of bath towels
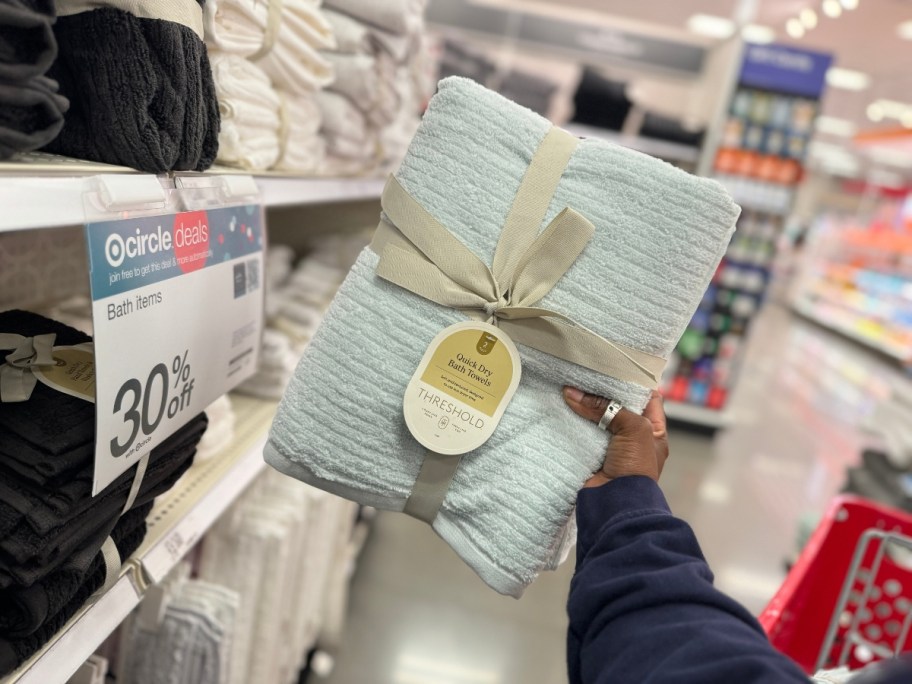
{"points": [[659, 236]]}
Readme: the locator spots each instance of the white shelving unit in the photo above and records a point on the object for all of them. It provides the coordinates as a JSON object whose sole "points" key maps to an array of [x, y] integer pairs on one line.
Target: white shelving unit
{"points": [[49, 193], [180, 518]]}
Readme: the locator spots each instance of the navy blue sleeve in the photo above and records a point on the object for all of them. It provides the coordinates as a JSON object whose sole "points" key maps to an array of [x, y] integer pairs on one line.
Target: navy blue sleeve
{"points": [[642, 603]]}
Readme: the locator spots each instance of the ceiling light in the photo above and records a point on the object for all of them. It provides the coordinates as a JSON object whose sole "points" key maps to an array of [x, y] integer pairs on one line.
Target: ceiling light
{"points": [[832, 8], [711, 26], [808, 17], [834, 126], [757, 34], [849, 4], [794, 28], [905, 30], [875, 112], [847, 79], [906, 119], [892, 109]]}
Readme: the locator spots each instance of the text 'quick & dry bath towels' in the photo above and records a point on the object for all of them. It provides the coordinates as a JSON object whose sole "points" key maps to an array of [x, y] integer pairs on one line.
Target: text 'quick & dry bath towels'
{"points": [[659, 235]]}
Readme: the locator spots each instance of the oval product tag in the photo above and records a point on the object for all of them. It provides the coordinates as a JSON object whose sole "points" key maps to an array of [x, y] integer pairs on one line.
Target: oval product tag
{"points": [[459, 393], [73, 371]]}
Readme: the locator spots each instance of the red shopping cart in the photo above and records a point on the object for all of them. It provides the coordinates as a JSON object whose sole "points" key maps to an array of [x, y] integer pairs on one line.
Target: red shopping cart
{"points": [[848, 599]]}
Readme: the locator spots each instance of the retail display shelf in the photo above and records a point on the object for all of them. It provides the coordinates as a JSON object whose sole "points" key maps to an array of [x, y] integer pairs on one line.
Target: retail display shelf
{"points": [[35, 197], [178, 521], [849, 324], [662, 149], [697, 415]]}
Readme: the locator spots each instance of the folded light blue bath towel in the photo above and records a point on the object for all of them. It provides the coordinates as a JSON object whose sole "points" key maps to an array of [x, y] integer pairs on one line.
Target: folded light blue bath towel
{"points": [[660, 234]]}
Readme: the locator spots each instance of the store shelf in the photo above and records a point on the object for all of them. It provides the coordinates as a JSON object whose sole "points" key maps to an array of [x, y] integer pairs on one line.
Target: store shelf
{"points": [[662, 149], [50, 192], [178, 521], [848, 325], [697, 415]]}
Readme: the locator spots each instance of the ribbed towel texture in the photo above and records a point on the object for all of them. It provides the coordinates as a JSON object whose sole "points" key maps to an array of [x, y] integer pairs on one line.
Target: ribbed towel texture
{"points": [[659, 236], [140, 89], [31, 109]]}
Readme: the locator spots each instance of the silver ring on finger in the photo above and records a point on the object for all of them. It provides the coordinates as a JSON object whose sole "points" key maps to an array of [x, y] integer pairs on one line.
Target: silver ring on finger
{"points": [[613, 409]]}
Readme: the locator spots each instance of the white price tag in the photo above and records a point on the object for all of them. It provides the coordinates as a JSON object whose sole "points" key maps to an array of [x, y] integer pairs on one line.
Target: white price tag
{"points": [[177, 306]]}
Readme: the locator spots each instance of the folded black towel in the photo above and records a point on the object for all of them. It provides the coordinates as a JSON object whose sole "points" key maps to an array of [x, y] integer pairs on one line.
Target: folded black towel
{"points": [[25, 554], [27, 548], [24, 609], [31, 109], [68, 594], [141, 92], [47, 513], [31, 115], [38, 436], [27, 45], [46, 508]]}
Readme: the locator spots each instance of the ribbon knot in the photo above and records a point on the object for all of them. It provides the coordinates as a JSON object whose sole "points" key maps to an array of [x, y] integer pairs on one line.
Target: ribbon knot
{"points": [[16, 377], [418, 253]]}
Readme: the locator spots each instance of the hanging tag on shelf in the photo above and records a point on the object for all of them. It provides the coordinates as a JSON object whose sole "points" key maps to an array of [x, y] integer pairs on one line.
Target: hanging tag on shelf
{"points": [[177, 304]]}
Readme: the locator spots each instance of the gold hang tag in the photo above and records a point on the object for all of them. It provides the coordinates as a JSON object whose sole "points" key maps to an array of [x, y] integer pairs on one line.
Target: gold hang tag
{"points": [[458, 394]]}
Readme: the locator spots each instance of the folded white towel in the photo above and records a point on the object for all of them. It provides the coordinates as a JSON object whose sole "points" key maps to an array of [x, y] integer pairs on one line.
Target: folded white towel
{"points": [[302, 147], [355, 36], [395, 16], [249, 107], [293, 62]]}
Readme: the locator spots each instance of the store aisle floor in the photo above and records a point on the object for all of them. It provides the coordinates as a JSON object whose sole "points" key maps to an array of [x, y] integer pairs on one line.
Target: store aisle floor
{"points": [[418, 615]]}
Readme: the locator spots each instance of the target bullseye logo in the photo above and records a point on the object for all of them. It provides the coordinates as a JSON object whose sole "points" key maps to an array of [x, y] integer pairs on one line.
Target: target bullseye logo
{"points": [[114, 249]]}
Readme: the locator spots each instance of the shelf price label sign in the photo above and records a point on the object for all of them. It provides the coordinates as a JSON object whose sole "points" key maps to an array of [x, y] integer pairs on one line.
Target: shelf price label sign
{"points": [[177, 307]]}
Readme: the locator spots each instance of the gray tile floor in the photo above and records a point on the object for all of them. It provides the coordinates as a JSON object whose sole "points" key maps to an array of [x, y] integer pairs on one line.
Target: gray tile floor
{"points": [[418, 615]]}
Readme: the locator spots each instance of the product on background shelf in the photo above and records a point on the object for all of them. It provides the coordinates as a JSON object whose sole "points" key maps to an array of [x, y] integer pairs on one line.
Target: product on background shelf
{"points": [[378, 88], [686, 221], [350, 144], [250, 112], [51, 527], [302, 148], [276, 547], [287, 50], [759, 161], [182, 633], [140, 88], [856, 278], [220, 431], [92, 671], [31, 109]]}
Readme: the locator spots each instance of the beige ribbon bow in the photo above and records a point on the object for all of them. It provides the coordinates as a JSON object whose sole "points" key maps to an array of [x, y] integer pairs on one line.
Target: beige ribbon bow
{"points": [[419, 254], [16, 377]]}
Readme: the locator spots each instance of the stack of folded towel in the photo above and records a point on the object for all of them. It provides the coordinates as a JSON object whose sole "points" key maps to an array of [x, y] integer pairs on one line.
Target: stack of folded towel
{"points": [[374, 101], [276, 547], [657, 229], [31, 109], [266, 89], [250, 112], [182, 633], [276, 364], [51, 527], [220, 431], [30, 616], [139, 84]]}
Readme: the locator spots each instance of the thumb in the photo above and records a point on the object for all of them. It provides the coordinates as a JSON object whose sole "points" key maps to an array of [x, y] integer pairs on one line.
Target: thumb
{"points": [[592, 407], [589, 406]]}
